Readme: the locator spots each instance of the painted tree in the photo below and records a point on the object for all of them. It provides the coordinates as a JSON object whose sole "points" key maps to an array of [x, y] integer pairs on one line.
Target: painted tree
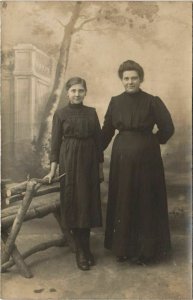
{"points": [[76, 18], [42, 144], [101, 17]]}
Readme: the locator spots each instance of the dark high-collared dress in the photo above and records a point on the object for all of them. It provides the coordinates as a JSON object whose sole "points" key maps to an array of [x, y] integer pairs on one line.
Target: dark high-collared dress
{"points": [[76, 146], [137, 214]]}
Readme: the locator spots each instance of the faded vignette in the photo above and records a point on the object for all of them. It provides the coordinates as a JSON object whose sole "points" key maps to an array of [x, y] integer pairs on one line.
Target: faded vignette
{"points": [[158, 35]]}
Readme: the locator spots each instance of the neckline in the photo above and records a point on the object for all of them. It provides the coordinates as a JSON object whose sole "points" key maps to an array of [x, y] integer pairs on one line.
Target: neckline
{"points": [[75, 106], [133, 94]]}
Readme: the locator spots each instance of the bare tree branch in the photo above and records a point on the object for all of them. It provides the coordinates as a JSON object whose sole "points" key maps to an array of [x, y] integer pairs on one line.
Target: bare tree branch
{"points": [[107, 28], [83, 23], [91, 30], [83, 16], [60, 22]]}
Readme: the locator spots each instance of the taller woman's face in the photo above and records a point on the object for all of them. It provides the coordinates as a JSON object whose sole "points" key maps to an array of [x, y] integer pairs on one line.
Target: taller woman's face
{"points": [[76, 94], [131, 81]]}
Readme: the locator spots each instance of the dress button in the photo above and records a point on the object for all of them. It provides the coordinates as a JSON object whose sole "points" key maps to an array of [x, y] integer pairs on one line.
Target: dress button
{"points": [[114, 230], [119, 221]]}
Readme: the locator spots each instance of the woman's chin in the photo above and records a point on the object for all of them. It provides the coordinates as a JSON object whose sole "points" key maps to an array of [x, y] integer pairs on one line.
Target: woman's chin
{"points": [[132, 91], [77, 102]]}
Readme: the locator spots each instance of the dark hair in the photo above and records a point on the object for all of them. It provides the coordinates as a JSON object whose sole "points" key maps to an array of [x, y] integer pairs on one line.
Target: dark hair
{"points": [[130, 65], [76, 80]]}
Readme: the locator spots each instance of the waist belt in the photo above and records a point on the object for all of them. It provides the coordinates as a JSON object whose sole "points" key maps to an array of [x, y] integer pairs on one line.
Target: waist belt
{"points": [[136, 130], [77, 137]]}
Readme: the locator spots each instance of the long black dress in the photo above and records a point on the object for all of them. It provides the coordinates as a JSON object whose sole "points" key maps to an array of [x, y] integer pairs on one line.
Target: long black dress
{"points": [[137, 214], [76, 145]]}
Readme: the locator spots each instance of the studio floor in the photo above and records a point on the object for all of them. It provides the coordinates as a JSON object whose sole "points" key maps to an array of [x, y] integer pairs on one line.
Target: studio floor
{"points": [[57, 277]]}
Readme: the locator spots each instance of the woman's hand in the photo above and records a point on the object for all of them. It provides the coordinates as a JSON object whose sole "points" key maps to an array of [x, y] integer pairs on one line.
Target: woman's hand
{"points": [[49, 176], [101, 173], [52, 172]]}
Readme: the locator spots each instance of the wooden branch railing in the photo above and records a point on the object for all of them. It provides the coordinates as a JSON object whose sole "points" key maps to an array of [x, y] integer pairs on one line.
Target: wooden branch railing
{"points": [[17, 258], [18, 221], [37, 193], [21, 187], [15, 217], [40, 211], [41, 247]]}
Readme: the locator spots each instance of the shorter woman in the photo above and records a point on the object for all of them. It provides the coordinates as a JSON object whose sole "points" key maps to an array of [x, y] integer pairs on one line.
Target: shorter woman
{"points": [[76, 146]]}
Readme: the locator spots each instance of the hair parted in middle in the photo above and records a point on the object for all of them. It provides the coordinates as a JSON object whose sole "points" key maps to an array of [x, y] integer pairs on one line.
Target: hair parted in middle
{"points": [[75, 80], [130, 65]]}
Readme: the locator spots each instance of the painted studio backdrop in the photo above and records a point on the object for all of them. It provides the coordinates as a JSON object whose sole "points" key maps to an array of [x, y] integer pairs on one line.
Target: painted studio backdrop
{"points": [[46, 43]]}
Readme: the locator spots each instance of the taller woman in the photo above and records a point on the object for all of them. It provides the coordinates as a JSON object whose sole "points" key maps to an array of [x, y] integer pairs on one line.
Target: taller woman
{"points": [[137, 224]]}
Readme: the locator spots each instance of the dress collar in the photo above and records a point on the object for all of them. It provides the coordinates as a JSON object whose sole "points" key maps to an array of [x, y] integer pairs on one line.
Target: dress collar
{"points": [[75, 106], [133, 94]]}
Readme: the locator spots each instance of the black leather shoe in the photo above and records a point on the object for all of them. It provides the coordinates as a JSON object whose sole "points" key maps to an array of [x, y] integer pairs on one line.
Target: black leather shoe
{"points": [[81, 261], [141, 261], [121, 258]]}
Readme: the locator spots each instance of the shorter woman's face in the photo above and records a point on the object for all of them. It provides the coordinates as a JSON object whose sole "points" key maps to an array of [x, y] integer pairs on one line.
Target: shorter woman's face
{"points": [[76, 94], [131, 81]]}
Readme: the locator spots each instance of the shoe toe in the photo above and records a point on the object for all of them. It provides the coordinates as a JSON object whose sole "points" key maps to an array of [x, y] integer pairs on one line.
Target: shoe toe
{"points": [[121, 258]]}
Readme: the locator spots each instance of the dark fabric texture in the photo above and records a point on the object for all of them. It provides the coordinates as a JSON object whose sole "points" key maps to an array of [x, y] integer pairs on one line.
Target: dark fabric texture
{"points": [[76, 145], [82, 238], [137, 214]]}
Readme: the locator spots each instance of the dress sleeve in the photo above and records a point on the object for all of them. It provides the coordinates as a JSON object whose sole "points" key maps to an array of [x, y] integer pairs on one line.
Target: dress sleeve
{"points": [[56, 138], [108, 129], [163, 121], [98, 139]]}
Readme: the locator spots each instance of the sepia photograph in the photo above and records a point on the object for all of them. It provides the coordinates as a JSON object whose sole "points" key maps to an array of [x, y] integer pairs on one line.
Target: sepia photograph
{"points": [[96, 150]]}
